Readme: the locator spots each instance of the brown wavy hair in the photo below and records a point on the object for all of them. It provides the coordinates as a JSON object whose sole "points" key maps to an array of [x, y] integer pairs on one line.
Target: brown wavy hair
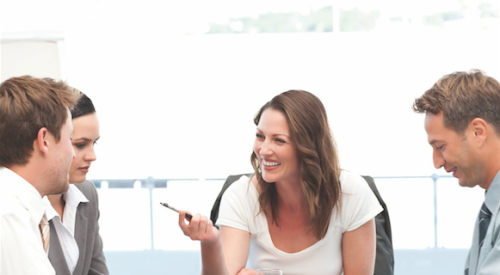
{"points": [[26, 105], [463, 96], [318, 158]]}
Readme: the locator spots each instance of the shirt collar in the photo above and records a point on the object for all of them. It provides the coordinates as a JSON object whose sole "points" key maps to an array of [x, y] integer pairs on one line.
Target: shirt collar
{"points": [[72, 197], [49, 210], [492, 198], [11, 182]]}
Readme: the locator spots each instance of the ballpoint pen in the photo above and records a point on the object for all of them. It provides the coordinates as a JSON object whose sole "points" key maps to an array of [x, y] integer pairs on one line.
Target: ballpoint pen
{"points": [[188, 217]]}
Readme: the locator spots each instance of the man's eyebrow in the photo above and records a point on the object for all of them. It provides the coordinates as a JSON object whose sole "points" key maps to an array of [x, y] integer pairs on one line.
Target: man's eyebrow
{"points": [[433, 141]]}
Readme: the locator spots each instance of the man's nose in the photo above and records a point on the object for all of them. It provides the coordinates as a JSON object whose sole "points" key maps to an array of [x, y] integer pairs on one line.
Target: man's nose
{"points": [[438, 159]]}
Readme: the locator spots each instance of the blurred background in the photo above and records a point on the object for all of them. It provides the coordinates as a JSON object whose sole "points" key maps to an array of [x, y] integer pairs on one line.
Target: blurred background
{"points": [[176, 85]]}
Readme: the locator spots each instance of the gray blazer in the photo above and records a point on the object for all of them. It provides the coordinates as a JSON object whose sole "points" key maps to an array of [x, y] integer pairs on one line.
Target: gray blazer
{"points": [[91, 259]]}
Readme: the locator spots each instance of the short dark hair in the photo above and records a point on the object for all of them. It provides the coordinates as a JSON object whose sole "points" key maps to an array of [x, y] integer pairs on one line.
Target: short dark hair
{"points": [[83, 107], [462, 97], [26, 105]]}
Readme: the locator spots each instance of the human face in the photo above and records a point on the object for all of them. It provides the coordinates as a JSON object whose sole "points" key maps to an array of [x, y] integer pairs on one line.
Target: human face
{"points": [[84, 138], [275, 150], [452, 151], [61, 160]]}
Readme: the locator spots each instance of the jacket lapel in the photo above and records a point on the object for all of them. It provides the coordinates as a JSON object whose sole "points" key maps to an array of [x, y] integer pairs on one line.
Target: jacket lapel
{"points": [[81, 239], [56, 255]]}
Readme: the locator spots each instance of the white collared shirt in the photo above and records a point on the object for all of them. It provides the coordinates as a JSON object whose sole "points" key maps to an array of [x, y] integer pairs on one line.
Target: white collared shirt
{"points": [[21, 210], [66, 229]]}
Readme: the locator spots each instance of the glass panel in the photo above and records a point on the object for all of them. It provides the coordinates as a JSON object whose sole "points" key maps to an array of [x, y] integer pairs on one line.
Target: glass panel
{"points": [[410, 203], [457, 208], [124, 221]]}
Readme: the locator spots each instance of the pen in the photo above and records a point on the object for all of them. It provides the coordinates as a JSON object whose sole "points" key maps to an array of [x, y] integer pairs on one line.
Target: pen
{"points": [[188, 217]]}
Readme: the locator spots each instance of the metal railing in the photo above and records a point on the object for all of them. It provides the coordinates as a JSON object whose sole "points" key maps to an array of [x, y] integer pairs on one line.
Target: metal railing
{"points": [[434, 178], [151, 183]]}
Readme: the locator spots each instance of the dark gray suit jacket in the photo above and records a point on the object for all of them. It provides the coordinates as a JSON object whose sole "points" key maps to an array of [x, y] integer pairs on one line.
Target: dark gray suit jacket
{"points": [[91, 259]]}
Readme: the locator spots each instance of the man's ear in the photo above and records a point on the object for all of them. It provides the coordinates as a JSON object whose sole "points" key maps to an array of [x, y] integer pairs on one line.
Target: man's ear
{"points": [[41, 144], [479, 129]]}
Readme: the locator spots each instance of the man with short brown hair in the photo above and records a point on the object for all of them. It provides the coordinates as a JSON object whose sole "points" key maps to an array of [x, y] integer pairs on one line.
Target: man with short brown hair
{"points": [[462, 121], [35, 156]]}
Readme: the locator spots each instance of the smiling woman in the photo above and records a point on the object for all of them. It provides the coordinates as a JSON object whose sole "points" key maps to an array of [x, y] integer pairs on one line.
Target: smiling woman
{"points": [[75, 243], [298, 211], [273, 146]]}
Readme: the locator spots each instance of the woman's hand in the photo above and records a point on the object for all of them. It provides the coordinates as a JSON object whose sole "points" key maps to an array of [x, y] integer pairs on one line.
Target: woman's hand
{"points": [[215, 253], [200, 228]]}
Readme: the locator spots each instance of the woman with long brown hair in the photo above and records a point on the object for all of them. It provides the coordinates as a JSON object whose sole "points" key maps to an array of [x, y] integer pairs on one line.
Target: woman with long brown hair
{"points": [[299, 211]]}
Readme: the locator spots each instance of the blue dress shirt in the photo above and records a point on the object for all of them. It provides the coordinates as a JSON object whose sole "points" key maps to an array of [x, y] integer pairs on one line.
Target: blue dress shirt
{"points": [[485, 260]]}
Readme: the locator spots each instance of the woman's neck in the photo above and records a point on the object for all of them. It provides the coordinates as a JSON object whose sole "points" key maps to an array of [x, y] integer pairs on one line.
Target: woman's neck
{"points": [[290, 196]]}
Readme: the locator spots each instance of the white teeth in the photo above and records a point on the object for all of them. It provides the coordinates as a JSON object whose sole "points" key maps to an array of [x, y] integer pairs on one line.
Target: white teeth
{"points": [[270, 163]]}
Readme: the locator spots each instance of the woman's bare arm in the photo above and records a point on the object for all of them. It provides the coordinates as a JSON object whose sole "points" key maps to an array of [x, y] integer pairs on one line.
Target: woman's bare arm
{"points": [[358, 250]]}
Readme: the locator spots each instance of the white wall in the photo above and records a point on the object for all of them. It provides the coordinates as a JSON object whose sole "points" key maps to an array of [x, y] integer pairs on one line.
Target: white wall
{"points": [[36, 58]]}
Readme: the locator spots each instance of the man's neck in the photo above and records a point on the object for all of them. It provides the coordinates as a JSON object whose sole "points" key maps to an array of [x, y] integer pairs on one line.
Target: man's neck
{"points": [[492, 171], [492, 162]]}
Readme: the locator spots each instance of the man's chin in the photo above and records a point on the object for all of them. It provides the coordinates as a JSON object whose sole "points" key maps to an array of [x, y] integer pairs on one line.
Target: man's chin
{"points": [[64, 188], [465, 183]]}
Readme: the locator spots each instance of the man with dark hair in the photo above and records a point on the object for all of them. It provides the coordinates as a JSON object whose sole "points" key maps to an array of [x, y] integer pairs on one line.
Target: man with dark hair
{"points": [[462, 121], [35, 156]]}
